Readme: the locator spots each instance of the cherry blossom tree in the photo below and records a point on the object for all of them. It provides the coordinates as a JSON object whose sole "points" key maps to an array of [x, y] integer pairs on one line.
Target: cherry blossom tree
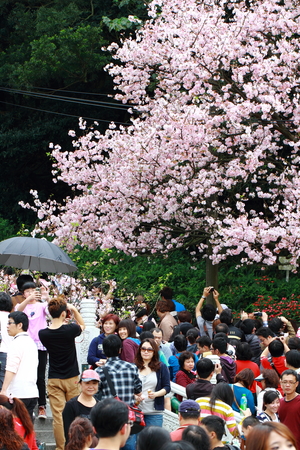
{"points": [[211, 156]]}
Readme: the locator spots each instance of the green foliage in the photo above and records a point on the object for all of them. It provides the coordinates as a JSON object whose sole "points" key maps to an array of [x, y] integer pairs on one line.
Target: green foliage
{"points": [[240, 288], [7, 230]]}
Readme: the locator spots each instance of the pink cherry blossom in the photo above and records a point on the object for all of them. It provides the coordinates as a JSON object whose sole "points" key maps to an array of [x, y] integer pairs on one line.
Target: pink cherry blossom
{"points": [[211, 156]]}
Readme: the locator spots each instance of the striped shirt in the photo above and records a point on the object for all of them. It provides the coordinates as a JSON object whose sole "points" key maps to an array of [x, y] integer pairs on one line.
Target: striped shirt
{"points": [[220, 409]]}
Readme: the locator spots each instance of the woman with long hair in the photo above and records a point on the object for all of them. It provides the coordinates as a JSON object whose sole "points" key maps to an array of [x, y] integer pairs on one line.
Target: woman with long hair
{"points": [[219, 404], [22, 422], [270, 436], [271, 403], [155, 379], [242, 383], [130, 343], [81, 434], [9, 438], [96, 357]]}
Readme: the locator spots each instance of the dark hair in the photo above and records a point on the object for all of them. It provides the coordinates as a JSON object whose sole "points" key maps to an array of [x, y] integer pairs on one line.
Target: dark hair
{"points": [[192, 335], [247, 326], [258, 438], [250, 421], [148, 326], [9, 438], [184, 316], [80, 429], [190, 414], [22, 279], [157, 330], [243, 351], [223, 392], [112, 317], [146, 335], [183, 357], [245, 377], [112, 345], [152, 437], [265, 332], [204, 341], [167, 293], [222, 336], [185, 327], [276, 324], [294, 343], [293, 358], [226, 316], [17, 407], [197, 436], [271, 378], [276, 348], [108, 416], [205, 367], [269, 397], [165, 306], [215, 424], [208, 312], [154, 363], [219, 344], [20, 317], [28, 285], [5, 302], [178, 445], [129, 325], [222, 328], [290, 372], [180, 343], [57, 306]]}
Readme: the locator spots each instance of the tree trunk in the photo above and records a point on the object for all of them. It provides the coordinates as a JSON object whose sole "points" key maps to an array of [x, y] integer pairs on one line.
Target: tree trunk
{"points": [[211, 278]]}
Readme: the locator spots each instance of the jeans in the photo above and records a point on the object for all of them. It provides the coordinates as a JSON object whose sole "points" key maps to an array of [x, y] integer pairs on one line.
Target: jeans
{"points": [[155, 420], [130, 443]]}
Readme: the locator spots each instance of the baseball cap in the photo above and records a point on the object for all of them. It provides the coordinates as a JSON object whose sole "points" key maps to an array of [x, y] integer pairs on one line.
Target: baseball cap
{"points": [[89, 375], [189, 406]]}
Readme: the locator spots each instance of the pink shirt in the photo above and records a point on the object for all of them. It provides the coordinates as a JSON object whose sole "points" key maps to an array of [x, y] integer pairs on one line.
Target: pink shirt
{"points": [[37, 313]]}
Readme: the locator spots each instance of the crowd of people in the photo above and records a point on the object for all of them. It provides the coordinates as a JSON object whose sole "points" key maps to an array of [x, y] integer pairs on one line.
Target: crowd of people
{"points": [[239, 381]]}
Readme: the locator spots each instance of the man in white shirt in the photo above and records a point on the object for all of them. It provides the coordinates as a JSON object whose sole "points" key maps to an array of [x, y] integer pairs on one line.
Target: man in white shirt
{"points": [[22, 361]]}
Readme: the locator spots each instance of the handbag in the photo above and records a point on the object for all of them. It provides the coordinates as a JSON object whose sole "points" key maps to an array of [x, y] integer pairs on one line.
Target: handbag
{"points": [[135, 415]]}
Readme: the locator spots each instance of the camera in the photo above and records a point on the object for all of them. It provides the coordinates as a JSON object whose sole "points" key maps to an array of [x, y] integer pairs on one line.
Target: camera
{"points": [[38, 289], [211, 290], [257, 314]]}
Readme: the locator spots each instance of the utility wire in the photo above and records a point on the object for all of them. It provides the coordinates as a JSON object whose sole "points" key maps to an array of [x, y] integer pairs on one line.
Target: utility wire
{"points": [[76, 100], [63, 114]]}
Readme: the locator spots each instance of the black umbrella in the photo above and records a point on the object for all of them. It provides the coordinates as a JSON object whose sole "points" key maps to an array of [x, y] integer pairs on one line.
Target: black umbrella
{"points": [[35, 254]]}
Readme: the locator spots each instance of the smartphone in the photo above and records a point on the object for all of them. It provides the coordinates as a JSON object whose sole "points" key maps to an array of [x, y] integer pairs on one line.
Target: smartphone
{"points": [[38, 289]]}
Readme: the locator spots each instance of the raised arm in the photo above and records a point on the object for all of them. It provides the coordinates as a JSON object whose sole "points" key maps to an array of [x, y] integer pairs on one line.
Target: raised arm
{"points": [[77, 316], [216, 297], [206, 292]]}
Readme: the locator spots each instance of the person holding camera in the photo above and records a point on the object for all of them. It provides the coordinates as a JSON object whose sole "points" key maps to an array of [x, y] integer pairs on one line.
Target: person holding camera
{"points": [[205, 314], [36, 312], [273, 356], [59, 340]]}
